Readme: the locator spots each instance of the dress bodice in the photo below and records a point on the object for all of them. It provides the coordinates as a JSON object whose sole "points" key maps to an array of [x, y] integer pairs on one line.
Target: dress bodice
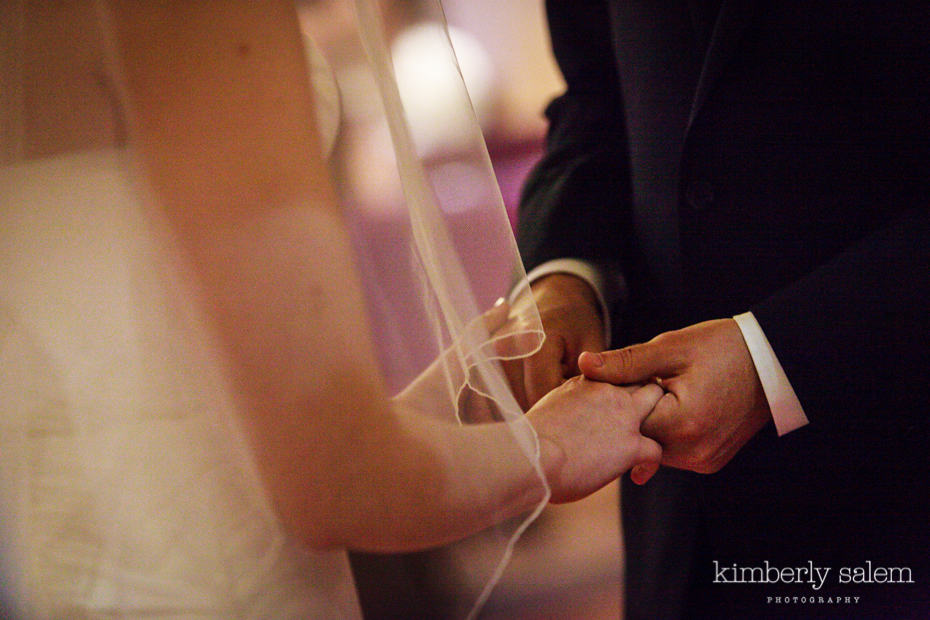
{"points": [[127, 489]]}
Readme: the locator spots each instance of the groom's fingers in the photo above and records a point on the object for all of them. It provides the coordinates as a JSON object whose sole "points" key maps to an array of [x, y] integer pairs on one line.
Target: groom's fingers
{"points": [[649, 457], [557, 360], [663, 421], [633, 364], [672, 424]]}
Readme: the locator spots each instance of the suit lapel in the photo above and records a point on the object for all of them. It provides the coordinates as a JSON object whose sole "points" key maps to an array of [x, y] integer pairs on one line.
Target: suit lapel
{"points": [[658, 62], [735, 16]]}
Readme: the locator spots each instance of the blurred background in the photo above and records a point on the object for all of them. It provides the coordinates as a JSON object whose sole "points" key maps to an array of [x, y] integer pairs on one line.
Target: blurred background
{"points": [[568, 564]]}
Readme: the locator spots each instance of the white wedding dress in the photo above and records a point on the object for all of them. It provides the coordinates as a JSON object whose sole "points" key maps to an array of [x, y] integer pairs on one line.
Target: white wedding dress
{"points": [[126, 482]]}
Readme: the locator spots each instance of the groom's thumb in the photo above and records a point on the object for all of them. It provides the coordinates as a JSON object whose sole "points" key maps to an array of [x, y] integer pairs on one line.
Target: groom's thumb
{"points": [[635, 364]]}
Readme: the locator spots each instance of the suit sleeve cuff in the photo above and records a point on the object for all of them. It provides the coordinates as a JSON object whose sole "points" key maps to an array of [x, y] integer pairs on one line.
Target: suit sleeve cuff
{"points": [[588, 272], [787, 412]]}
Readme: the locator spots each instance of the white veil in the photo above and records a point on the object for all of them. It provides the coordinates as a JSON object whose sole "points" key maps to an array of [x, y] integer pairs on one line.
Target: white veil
{"points": [[103, 355], [434, 258]]}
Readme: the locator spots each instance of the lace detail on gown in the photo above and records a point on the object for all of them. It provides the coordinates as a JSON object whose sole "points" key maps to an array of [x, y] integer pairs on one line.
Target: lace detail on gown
{"points": [[126, 486]]}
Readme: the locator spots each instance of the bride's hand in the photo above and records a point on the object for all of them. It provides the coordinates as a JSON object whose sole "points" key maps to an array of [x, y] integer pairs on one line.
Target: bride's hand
{"points": [[589, 435]]}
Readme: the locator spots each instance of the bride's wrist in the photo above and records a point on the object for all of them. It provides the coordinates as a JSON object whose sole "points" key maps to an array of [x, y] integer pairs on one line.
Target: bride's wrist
{"points": [[552, 459]]}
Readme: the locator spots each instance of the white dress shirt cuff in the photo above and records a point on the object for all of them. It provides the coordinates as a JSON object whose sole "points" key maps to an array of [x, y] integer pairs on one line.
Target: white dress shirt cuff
{"points": [[587, 272], [787, 412]]}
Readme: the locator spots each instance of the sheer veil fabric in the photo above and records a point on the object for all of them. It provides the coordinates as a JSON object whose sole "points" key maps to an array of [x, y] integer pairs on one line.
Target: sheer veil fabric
{"points": [[127, 486], [439, 257]]}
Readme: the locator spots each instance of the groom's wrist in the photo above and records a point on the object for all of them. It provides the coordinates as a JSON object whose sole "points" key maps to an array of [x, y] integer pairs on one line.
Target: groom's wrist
{"points": [[571, 287], [607, 290]]}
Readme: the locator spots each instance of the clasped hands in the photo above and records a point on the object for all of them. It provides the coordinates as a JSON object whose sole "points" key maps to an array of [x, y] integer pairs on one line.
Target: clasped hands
{"points": [[710, 402]]}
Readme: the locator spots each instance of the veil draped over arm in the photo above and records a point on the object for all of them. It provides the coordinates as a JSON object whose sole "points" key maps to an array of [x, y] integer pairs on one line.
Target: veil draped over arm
{"points": [[434, 243], [126, 483]]}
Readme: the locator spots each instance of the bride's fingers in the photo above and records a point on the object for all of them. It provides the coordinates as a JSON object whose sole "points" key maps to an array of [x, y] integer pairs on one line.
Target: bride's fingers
{"points": [[495, 317], [513, 369], [645, 397], [650, 454], [476, 408]]}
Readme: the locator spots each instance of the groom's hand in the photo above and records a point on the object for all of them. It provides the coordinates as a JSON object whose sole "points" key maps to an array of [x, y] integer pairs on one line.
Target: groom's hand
{"points": [[571, 320], [714, 401]]}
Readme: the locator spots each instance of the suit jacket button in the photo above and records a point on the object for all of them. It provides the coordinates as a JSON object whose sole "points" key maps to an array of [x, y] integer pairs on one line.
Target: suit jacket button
{"points": [[699, 194]]}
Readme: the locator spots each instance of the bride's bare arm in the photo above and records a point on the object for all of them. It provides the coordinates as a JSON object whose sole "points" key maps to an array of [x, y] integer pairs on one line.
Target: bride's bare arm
{"points": [[222, 115]]}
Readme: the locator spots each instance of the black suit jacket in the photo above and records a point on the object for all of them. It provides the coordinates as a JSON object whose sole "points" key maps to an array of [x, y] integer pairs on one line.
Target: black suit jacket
{"points": [[765, 156]]}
